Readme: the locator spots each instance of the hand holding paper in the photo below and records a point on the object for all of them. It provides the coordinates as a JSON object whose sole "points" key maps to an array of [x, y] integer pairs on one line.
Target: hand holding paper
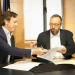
{"points": [[39, 51], [63, 51], [51, 53]]}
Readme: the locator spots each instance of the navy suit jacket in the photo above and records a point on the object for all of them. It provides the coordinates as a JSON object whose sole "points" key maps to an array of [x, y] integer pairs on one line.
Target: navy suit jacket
{"points": [[6, 50], [65, 37]]}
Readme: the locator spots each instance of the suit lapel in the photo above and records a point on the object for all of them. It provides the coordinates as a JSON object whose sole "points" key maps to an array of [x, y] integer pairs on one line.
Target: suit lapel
{"points": [[3, 34], [48, 40], [62, 37]]}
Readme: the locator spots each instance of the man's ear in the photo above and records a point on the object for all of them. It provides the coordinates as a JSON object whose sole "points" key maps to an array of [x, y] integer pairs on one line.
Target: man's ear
{"points": [[6, 22]]}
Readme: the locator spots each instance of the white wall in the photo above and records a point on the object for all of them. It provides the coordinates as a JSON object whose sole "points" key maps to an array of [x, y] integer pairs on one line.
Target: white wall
{"points": [[53, 7], [33, 10]]}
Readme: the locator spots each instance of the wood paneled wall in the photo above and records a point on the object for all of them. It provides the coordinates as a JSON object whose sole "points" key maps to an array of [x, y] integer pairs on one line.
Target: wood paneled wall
{"points": [[17, 6], [69, 15]]}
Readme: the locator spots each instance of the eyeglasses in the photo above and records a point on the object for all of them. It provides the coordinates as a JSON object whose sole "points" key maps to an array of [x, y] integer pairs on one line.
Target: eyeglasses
{"points": [[55, 24]]}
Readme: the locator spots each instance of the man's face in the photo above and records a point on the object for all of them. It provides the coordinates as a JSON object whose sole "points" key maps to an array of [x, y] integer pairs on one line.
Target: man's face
{"points": [[55, 24], [10, 25]]}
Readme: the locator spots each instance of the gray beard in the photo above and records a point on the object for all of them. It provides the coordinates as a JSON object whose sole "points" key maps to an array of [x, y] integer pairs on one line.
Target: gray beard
{"points": [[54, 33]]}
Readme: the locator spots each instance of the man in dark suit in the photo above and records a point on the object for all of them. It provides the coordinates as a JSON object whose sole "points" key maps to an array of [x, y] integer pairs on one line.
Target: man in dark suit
{"points": [[7, 45], [56, 37]]}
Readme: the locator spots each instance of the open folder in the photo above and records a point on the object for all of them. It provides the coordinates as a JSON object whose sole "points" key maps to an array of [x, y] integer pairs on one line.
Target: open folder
{"points": [[55, 65], [49, 67]]}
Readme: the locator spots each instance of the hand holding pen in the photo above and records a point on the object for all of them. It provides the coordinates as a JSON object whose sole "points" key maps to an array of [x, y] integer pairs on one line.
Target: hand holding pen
{"points": [[34, 44], [38, 45], [39, 49]]}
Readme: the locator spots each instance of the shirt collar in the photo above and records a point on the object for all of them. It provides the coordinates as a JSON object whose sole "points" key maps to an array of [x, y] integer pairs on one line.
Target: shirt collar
{"points": [[51, 35], [6, 31]]}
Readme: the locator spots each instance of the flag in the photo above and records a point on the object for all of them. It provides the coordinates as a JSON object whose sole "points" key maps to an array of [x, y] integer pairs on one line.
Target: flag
{"points": [[6, 5]]}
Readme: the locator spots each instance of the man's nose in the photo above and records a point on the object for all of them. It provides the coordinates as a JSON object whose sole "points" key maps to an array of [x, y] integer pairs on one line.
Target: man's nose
{"points": [[16, 24], [53, 26]]}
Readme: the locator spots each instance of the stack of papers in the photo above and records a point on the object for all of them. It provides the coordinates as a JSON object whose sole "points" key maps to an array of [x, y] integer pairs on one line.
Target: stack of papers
{"points": [[51, 53], [22, 65], [63, 61]]}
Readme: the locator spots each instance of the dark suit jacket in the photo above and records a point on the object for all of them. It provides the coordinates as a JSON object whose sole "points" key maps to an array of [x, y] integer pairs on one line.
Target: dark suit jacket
{"points": [[6, 50], [65, 37]]}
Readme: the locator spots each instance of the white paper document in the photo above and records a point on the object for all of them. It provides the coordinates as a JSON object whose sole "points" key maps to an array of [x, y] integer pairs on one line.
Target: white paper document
{"points": [[63, 61], [51, 53], [22, 65]]}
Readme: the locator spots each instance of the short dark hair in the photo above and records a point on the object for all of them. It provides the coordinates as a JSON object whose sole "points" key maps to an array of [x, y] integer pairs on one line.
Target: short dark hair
{"points": [[56, 15], [7, 16]]}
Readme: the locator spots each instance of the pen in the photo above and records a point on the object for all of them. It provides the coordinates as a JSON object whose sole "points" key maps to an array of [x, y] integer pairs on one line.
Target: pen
{"points": [[39, 45], [42, 47]]}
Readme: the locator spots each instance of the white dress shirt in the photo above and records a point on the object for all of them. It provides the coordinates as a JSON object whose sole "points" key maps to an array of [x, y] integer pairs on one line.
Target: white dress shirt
{"points": [[8, 35], [55, 42]]}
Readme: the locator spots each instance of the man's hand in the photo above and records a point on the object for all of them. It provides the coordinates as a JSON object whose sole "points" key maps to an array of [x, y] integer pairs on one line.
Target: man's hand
{"points": [[63, 51], [39, 51], [33, 44]]}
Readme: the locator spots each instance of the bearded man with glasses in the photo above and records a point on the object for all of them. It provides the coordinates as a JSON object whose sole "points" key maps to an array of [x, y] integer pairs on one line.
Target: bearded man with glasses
{"points": [[56, 37]]}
